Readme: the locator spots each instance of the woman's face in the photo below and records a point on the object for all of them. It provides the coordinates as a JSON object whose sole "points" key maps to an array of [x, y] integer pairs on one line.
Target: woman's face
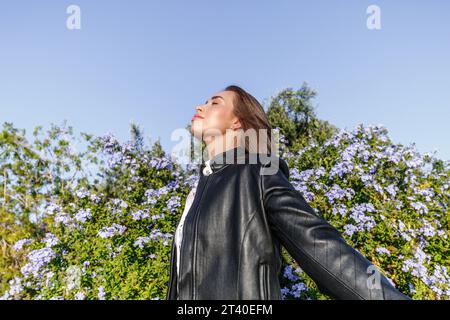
{"points": [[215, 116]]}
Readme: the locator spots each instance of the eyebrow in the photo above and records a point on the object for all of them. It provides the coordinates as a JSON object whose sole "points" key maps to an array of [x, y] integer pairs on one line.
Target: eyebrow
{"points": [[215, 97]]}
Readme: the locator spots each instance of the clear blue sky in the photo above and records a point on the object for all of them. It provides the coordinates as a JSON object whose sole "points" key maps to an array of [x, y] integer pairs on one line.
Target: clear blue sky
{"points": [[152, 61]]}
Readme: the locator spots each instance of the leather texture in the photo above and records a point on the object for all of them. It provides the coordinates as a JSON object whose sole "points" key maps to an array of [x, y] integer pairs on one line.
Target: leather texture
{"points": [[242, 213]]}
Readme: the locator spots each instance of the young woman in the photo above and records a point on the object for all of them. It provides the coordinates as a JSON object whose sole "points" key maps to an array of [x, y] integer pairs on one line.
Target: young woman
{"points": [[227, 244]]}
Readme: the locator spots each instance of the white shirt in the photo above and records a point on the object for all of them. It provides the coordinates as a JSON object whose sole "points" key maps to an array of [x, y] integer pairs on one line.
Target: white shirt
{"points": [[190, 198]]}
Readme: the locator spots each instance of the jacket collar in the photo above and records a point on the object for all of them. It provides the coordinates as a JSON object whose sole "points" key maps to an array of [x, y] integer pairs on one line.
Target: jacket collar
{"points": [[236, 155]]}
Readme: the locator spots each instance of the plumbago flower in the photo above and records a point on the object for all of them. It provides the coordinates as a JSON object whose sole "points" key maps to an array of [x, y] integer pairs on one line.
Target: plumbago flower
{"points": [[38, 260], [362, 221], [382, 250], [173, 203], [140, 214], [82, 193], [22, 242], [108, 232], [50, 240], [83, 215], [117, 206], [108, 237], [296, 287], [15, 289], [161, 163]]}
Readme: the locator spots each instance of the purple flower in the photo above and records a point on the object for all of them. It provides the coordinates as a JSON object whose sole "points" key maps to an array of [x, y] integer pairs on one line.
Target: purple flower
{"points": [[140, 214], [420, 207], [109, 232], [415, 160], [115, 160], [82, 193], [120, 203], [83, 215], [289, 275], [157, 234], [438, 281], [101, 293], [427, 193], [341, 209], [341, 169], [367, 179], [109, 143], [15, 288], [141, 241], [298, 288], [427, 230], [337, 193], [80, 296], [382, 250], [284, 292], [363, 222], [95, 198], [62, 218], [53, 208], [319, 172], [22, 242], [38, 259], [50, 240], [173, 204], [158, 216], [161, 163], [350, 229], [378, 188], [391, 189]]}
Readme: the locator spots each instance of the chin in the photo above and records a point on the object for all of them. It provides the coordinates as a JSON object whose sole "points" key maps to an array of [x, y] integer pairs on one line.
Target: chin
{"points": [[196, 132]]}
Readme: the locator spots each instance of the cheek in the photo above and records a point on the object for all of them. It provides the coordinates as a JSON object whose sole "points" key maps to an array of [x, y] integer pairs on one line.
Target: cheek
{"points": [[216, 120]]}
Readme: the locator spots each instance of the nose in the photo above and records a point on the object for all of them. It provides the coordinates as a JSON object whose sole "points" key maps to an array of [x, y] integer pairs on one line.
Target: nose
{"points": [[199, 109]]}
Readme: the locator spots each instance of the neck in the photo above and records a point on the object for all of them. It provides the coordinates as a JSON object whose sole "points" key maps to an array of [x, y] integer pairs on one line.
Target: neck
{"points": [[218, 146]]}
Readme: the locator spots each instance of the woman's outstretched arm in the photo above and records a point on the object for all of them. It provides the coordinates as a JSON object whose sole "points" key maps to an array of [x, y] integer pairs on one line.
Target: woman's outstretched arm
{"points": [[337, 268]]}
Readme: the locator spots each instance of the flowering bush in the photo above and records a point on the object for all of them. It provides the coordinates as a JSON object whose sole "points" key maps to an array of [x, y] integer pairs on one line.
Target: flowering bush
{"points": [[98, 223], [389, 201], [105, 235]]}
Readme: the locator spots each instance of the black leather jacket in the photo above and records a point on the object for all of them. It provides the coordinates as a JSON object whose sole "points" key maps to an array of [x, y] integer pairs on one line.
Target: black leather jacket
{"points": [[233, 232]]}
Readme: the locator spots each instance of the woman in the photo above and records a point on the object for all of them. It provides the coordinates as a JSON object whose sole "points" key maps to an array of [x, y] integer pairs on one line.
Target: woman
{"points": [[227, 244]]}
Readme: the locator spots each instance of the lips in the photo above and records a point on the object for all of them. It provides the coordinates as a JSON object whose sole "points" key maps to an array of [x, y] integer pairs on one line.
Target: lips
{"points": [[196, 117]]}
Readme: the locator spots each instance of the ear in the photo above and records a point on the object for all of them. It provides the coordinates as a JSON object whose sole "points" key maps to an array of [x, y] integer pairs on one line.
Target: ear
{"points": [[236, 124]]}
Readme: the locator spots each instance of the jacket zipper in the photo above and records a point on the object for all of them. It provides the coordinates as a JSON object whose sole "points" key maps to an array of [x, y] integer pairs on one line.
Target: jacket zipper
{"points": [[263, 275], [266, 285], [195, 235], [195, 238]]}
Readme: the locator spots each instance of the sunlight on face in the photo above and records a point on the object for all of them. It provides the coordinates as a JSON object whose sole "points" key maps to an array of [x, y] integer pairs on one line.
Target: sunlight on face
{"points": [[214, 117]]}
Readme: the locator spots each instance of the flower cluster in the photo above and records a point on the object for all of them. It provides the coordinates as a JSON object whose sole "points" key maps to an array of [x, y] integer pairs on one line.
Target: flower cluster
{"points": [[109, 232], [38, 260]]}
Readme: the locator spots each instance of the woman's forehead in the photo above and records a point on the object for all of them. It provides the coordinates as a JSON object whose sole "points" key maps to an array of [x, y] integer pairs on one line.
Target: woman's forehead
{"points": [[227, 96]]}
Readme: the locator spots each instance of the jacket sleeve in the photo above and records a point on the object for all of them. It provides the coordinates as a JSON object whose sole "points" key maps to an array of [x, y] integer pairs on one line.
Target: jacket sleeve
{"points": [[338, 269]]}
